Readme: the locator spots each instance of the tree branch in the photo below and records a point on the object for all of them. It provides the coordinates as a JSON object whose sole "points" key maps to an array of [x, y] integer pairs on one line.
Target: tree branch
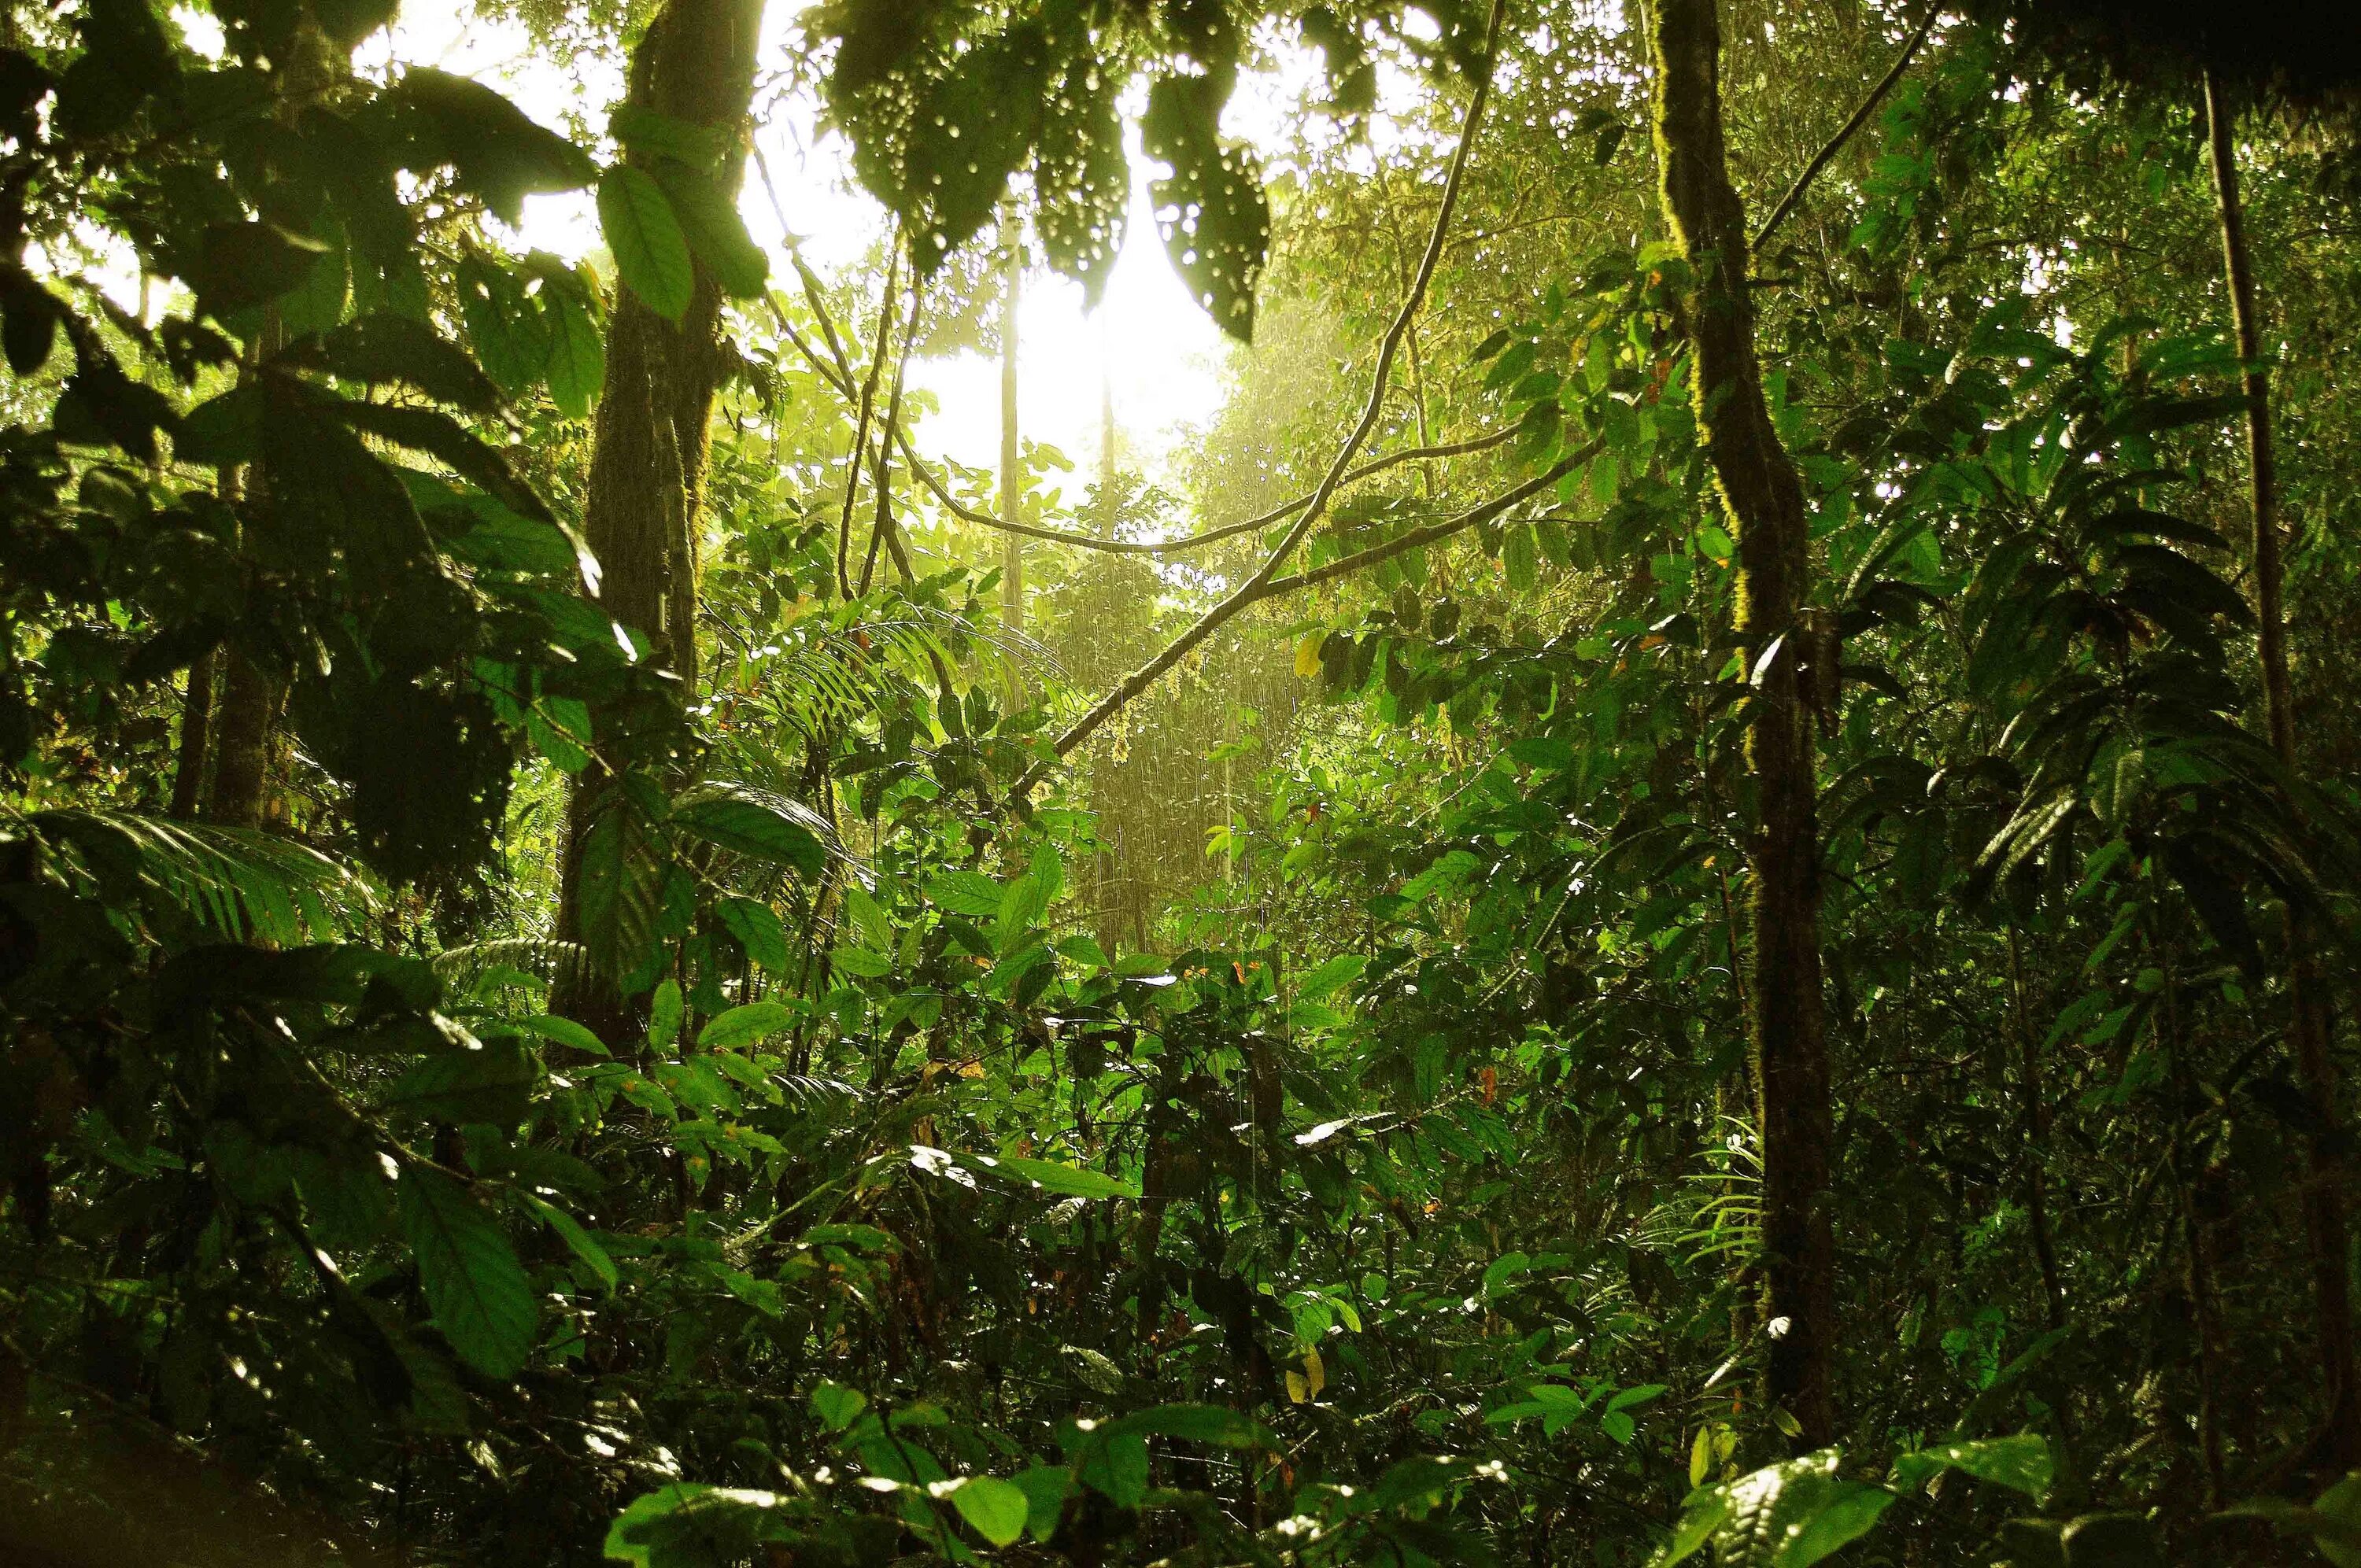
{"points": [[1346, 564], [1835, 143], [839, 376], [861, 429], [1254, 587]]}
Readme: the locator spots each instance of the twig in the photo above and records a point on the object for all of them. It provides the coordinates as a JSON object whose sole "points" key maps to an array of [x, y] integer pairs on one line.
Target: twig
{"points": [[1835, 143], [1256, 586]]}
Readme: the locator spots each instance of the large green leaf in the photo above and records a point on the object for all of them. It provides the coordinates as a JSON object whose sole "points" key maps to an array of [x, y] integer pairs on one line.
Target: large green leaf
{"points": [[2022, 1461], [650, 249], [755, 822], [242, 265], [473, 1282], [490, 1083], [578, 1240], [759, 930], [620, 876], [744, 1025], [1211, 210], [385, 346], [716, 235], [496, 150], [1789, 1515], [997, 1508]]}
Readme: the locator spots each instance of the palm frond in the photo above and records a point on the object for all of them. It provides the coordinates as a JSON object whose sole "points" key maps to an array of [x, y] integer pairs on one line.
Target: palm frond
{"points": [[235, 883], [480, 967]]}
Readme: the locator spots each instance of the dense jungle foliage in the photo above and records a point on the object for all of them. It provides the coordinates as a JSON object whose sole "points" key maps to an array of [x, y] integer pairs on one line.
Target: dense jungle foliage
{"points": [[1685, 892]]}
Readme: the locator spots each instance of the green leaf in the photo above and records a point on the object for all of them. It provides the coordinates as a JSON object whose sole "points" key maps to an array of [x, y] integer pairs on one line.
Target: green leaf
{"points": [[1211, 210], [971, 894], [1066, 1180], [860, 961], [665, 1010], [1116, 1465], [837, 1405], [685, 1525], [495, 150], [1846, 1513], [716, 235], [755, 822], [759, 931], [576, 354], [1024, 903], [1789, 1515], [1330, 977], [242, 265], [2022, 1461], [663, 136], [650, 252], [387, 346], [490, 1083], [1046, 1489], [562, 1031], [580, 1242], [997, 1508], [744, 1025], [1216, 1424], [473, 1282], [2337, 1533], [621, 880]]}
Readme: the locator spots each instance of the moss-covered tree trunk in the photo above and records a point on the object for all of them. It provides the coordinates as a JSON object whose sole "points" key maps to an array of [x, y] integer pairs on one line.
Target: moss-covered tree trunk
{"points": [[2309, 1023], [1766, 501], [695, 64]]}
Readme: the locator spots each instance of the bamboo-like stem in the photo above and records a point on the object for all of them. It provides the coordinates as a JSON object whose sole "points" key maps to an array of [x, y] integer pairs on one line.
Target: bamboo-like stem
{"points": [[2311, 1024]]}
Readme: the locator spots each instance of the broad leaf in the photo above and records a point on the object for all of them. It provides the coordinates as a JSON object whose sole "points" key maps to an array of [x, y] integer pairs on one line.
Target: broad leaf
{"points": [[473, 1282], [650, 249]]}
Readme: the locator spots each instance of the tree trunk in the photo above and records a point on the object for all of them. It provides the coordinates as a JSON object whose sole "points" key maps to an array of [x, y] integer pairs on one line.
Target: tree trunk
{"points": [[2312, 1028], [195, 746], [1012, 552], [251, 697], [694, 63], [1765, 502]]}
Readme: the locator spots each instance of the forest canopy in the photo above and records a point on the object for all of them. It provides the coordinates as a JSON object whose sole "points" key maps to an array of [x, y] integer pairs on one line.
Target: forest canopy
{"points": [[1682, 890]]}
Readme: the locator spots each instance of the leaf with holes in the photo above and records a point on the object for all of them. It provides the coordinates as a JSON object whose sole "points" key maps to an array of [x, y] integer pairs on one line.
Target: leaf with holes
{"points": [[1214, 217]]}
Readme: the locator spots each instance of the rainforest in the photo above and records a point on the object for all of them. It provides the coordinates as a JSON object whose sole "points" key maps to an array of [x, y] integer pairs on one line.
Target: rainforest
{"points": [[808, 783]]}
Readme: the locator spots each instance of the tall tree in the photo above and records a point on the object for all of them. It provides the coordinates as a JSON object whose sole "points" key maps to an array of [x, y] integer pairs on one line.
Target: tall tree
{"points": [[694, 67], [1764, 499]]}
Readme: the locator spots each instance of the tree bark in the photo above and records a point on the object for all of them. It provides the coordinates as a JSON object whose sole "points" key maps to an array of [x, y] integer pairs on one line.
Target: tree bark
{"points": [[251, 697], [1011, 505], [2310, 1025], [694, 63], [1765, 502], [196, 745]]}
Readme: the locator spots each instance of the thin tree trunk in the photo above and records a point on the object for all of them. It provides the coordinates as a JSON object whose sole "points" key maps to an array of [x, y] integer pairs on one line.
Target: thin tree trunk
{"points": [[2323, 1206], [694, 63], [1012, 551], [196, 730], [1766, 501], [2036, 1143]]}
